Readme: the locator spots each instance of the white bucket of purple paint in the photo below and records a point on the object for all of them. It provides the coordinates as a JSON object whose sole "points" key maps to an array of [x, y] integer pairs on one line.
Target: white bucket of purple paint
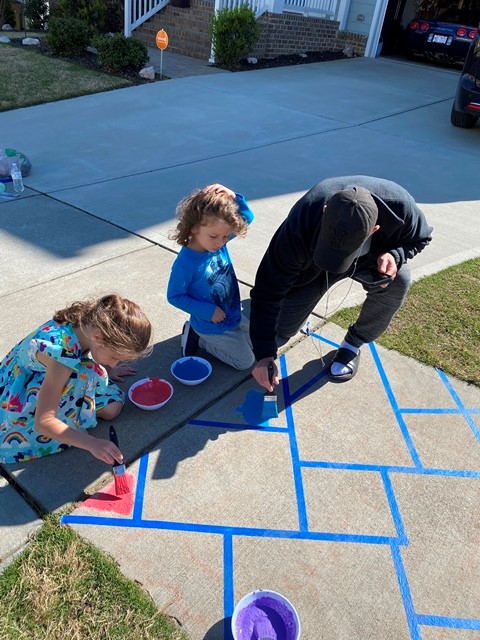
{"points": [[265, 614]]}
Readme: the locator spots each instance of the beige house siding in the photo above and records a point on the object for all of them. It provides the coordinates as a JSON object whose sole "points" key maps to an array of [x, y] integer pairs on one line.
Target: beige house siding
{"points": [[360, 9]]}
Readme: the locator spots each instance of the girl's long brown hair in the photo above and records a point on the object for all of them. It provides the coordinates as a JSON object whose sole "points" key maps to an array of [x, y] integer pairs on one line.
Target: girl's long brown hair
{"points": [[124, 326]]}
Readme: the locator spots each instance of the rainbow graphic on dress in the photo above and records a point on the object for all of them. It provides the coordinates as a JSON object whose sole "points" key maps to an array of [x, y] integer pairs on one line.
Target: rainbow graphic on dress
{"points": [[15, 437], [20, 422], [68, 389], [32, 390], [89, 402], [71, 414]]}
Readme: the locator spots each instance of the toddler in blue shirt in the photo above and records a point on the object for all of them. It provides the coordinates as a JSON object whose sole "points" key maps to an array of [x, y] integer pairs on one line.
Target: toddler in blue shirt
{"points": [[203, 281]]}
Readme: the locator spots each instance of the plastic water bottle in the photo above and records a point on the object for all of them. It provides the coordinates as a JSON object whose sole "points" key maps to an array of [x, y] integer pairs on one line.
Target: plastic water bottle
{"points": [[17, 178], [4, 165]]}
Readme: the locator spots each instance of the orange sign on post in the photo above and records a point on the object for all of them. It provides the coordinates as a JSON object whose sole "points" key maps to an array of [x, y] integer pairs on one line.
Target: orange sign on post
{"points": [[162, 39]]}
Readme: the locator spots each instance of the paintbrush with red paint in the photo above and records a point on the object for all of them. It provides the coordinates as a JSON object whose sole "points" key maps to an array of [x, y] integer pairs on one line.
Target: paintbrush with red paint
{"points": [[121, 482]]}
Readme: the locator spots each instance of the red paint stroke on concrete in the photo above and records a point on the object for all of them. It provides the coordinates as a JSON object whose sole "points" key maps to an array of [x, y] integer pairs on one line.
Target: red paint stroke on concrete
{"points": [[107, 499]]}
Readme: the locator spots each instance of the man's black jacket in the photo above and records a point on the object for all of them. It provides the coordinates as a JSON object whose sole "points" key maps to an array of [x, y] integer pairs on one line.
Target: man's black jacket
{"points": [[288, 261]]}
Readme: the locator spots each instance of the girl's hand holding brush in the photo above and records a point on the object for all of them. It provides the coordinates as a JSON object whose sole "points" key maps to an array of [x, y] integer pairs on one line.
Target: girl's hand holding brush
{"points": [[106, 451]]}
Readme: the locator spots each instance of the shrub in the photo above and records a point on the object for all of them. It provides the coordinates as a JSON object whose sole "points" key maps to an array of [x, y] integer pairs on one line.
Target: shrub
{"points": [[117, 53], [68, 36], [114, 19], [234, 32], [36, 12], [99, 17]]}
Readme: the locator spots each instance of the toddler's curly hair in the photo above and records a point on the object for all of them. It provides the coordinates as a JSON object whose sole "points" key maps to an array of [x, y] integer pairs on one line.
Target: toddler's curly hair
{"points": [[202, 207]]}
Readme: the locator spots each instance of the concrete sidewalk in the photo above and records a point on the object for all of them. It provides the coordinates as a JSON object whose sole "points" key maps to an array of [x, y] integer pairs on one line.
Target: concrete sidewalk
{"points": [[176, 65], [360, 503]]}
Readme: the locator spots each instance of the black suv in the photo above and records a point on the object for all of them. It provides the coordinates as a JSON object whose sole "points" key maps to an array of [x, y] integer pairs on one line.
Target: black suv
{"points": [[466, 106]]}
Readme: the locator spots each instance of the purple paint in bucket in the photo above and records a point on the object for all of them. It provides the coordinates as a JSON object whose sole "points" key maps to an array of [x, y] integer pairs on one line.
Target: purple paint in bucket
{"points": [[190, 369], [265, 614]]}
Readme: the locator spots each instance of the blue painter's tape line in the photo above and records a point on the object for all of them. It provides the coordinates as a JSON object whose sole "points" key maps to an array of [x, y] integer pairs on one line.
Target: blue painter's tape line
{"points": [[394, 405], [460, 405], [452, 623], [140, 490], [99, 521], [392, 501], [460, 473], [405, 592], [295, 457], [325, 340], [234, 425], [248, 532], [423, 410], [228, 588], [303, 389]]}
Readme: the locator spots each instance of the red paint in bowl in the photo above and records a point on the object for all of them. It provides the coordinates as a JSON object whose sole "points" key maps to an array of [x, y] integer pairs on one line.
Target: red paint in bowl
{"points": [[150, 393]]}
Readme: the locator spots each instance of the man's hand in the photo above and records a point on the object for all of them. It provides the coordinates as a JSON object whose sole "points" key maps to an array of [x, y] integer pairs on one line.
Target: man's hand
{"points": [[260, 373], [386, 264]]}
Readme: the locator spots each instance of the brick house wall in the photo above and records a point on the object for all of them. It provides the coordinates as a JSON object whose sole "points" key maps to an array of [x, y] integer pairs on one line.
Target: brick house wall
{"points": [[188, 32]]}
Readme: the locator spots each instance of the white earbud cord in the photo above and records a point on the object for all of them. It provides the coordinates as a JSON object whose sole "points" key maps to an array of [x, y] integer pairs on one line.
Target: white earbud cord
{"points": [[317, 342]]}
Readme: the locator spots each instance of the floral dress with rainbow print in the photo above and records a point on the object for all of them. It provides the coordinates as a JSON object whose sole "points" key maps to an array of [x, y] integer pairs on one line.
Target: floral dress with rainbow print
{"points": [[87, 390]]}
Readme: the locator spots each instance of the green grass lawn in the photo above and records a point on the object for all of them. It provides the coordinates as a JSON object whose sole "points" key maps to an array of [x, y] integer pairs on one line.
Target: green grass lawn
{"points": [[63, 587], [439, 323], [28, 78]]}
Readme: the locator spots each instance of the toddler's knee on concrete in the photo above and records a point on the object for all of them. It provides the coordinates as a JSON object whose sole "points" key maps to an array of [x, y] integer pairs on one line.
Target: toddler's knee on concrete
{"points": [[243, 365]]}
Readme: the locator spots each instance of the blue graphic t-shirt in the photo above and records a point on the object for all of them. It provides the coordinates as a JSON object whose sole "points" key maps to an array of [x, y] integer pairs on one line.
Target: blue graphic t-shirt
{"points": [[199, 282]]}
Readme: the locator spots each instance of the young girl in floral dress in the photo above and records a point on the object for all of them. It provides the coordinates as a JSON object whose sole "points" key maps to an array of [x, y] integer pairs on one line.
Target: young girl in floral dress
{"points": [[54, 383]]}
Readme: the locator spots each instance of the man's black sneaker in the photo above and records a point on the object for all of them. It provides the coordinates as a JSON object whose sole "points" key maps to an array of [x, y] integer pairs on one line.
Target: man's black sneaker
{"points": [[189, 342]]}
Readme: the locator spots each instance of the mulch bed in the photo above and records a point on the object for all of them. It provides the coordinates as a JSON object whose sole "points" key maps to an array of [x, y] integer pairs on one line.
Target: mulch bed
{"points": [[286, 60], [90, 60]]}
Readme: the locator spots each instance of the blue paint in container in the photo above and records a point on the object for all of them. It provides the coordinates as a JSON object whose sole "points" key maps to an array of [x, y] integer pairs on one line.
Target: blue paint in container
{"points": [[190, 369]]}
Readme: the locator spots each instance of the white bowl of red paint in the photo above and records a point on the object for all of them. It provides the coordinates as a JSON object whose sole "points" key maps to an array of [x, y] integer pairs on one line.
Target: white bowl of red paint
{"points": [[191, 370], [150, 393]]}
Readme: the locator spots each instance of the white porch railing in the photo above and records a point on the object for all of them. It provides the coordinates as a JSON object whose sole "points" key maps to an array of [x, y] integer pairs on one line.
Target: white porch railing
{"points": [[319, 8], [138, 11], [258, 6]]}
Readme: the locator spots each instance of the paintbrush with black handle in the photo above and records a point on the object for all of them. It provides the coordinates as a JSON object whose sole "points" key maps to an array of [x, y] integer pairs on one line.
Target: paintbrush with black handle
{"points": [[270, 408], [121, 482]]}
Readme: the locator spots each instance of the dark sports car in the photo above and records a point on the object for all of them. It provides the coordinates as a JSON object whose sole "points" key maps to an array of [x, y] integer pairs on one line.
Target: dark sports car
{"points": [[445, 38], [466, 106]]}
